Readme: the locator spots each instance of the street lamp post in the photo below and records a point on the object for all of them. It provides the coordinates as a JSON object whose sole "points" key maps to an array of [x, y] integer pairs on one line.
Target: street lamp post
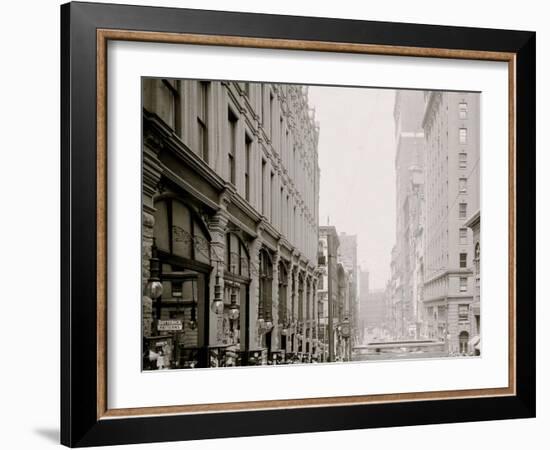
{"points": [[155, 285], [233, 312]]}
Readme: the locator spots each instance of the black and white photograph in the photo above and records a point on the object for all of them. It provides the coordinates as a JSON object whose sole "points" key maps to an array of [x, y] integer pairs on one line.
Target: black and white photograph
{"points": [[307, 224]]}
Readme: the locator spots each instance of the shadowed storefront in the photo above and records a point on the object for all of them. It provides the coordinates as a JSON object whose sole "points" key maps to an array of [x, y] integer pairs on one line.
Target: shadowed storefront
{"points": [[230, 214]]}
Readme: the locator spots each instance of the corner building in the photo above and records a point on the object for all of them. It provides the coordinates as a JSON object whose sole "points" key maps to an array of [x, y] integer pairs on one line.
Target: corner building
{"points": [[230, 209]]}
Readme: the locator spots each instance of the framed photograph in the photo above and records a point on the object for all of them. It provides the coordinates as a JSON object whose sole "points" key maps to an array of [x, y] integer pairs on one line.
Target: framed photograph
{"points": [[272, 224]]}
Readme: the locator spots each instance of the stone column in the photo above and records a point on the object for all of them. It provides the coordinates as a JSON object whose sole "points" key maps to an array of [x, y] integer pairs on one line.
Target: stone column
{"points": [[301, 306], [315, 314], [310, 315], [254, 290], [218, 228], [289, 312], [276, 333], [151, 176], [294, 305]]}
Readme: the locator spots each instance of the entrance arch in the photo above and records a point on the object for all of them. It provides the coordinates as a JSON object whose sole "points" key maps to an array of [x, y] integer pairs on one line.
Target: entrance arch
{"points": [[463, 339]]}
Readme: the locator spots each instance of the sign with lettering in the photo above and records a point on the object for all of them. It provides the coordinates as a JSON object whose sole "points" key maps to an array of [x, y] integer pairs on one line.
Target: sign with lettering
{"points": [[170, 325]]}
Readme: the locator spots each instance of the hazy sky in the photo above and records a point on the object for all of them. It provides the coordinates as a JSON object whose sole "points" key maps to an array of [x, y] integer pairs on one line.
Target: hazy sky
{"points": [[356, 157]]}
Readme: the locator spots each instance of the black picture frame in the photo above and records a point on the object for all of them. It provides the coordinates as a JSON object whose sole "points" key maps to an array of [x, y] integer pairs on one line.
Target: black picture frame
{"points": [[80, 425]]}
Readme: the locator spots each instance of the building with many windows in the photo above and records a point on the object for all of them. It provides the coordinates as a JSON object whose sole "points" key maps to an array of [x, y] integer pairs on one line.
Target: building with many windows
{"points": [[474, 223], [347, 255], [409, 176], [333, 298], [230, 223], [374, 313], [451, 128]]}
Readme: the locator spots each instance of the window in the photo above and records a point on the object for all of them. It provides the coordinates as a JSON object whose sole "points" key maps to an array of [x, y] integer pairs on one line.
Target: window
{"points": [[463, 311], [286, 149], [265, 286], [462, 210], [463, 260], [293, 164], [281, 211], [463, 110], [462, 135], [283, 284], [463, 236], [177, 289], [271, 115], [236, 257], [202, 117], [295, 225], [281, 137], [320, 287], [288, 218], [178, 231], [171, 113], [247, 149], [463, 284], [272, 197], [463, 338], [232, 119], [262, 105], [462, 185], [262, 184], [462, 160]]}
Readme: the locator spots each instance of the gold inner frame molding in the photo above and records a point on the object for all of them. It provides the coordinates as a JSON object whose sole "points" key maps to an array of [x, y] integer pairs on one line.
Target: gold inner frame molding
{"points": [[105, 35]]}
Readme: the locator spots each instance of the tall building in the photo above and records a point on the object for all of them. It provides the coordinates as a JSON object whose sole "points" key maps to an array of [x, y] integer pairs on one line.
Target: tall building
{"points": [[473, 222], [451, 127], [409, 170], [364, 286], [347, 255], [230, 222], [374, 311], [334, 298]]}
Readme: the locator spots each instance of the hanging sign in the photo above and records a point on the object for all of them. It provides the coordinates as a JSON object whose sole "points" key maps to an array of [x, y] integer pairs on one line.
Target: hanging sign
{"points": [[169, 325]]}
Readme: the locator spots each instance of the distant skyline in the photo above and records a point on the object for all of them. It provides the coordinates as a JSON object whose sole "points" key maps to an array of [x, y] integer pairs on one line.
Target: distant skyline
{"points": [[356, 158]]}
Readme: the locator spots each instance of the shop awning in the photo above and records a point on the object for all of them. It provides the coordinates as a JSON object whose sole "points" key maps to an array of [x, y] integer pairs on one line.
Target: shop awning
{"points": [[474, 342]]}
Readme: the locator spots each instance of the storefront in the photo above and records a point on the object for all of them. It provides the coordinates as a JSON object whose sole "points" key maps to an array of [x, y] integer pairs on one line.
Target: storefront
{"points": [[181, 245]]}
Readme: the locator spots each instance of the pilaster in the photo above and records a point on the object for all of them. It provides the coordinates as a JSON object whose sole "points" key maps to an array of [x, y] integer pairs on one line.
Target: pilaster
{"points": [[218, 228]]}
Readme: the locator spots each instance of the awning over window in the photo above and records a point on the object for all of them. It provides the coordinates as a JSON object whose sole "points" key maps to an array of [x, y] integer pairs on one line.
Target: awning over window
{"points": [[474, 342]]}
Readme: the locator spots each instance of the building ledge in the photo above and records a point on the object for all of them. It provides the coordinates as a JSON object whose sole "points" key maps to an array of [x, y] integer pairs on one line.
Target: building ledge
{"points": [[473, 220]]}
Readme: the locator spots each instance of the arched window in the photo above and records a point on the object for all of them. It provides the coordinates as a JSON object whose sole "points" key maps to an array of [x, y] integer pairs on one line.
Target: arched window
{"points": [[237, 259], [180, 232], [283, 286], [266, 280], [236, 280], [463, 342], [300, 297]]}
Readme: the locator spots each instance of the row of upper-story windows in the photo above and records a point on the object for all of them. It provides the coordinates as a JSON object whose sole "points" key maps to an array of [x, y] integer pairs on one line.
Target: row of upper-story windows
{"points": [[169, 109], [167, 100]]}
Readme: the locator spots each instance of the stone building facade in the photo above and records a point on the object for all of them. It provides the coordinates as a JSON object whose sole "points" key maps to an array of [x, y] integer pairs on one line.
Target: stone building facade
{"points": [[347, 255], [230, 209], [451, 128], [474, 223], [409, 169], [335, 284]]}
